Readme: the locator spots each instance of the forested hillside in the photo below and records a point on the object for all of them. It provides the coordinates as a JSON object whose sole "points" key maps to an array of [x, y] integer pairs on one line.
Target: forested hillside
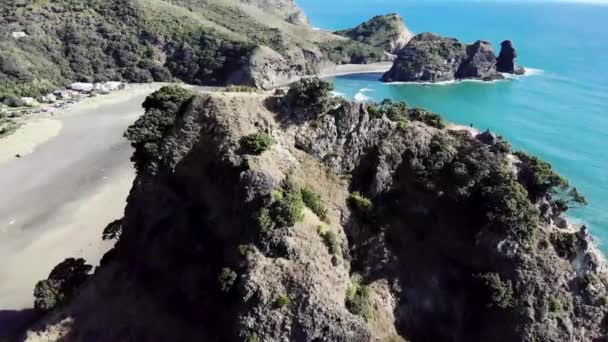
{"points": [[199, 42]]}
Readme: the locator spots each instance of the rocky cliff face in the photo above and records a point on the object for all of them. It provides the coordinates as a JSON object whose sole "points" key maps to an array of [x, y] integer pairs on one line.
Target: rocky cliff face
{"points": [[388, 32], [410, 232], [432, 58]]}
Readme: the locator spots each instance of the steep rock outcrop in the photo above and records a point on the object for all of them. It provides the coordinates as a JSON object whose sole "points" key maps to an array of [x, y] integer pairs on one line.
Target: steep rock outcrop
{"points": [[434, 238], [479, 63], [507, 59], [388, 32], [433, 58]]}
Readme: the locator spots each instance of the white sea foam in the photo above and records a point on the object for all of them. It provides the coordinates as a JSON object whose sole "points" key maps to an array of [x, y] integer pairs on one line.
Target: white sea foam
{"points": [[529, 72], [337, 94], [363, 90], [533, 71], [361, 97]]}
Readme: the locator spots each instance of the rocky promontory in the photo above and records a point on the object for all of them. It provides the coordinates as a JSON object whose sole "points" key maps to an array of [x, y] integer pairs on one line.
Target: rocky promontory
{"points": [[387, 32], [429, 57], [304, 217]]}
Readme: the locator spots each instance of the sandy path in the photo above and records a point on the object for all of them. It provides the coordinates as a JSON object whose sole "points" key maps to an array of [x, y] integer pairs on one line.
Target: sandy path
{"points": [[56, 201], [23, 141]]}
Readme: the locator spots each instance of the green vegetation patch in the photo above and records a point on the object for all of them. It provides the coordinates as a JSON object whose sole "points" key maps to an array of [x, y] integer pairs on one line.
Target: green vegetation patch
{"points": [[501, 292], [310, 97], [314, 202], [330, 239], [542, 182], [289, 205], [61, 284], [283, 301], [352, 52], [566, 245], [226, 279], [257, 143], [362, 205], [358, 299]]}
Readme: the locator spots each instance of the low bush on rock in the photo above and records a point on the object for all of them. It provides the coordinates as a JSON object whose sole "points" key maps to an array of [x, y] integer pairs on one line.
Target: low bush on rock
{"points": [[314, 202], [566, 245], [358, 299], [227, 279], [257, 143], [61, 284], [362, 205], [501, 292], [330, 239], [282, 301], [309, 98], [289, 205]]}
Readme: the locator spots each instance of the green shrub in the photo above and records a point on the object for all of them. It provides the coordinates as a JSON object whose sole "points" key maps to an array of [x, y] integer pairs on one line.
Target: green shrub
{"points": [[429, 118], [358, 300], [395, 111], [566, 244], [265, 221], [257, 143], [362, 205], [61, 284], [253, 338], [245, 250], [314, 202], [282, 301], [240, 89], [309, 97], [227, 279], [352, 52], [289, 205], [558, 304], [330, 239], [501, 292]]}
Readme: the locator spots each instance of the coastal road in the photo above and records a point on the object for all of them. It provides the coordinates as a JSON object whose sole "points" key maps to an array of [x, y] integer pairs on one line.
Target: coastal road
{"points": [[55, 202]]}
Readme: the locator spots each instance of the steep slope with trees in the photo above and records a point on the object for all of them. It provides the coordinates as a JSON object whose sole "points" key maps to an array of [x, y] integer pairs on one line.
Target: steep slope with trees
{"points": [[304, 217]]}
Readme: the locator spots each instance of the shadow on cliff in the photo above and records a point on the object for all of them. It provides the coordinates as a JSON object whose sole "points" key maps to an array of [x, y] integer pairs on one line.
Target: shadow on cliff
{"points": [[424, 244], [13, 322]]}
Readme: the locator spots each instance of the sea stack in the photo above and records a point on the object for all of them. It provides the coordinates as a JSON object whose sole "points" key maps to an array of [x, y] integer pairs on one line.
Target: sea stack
{"points": [[506, 61], [429, 57]]}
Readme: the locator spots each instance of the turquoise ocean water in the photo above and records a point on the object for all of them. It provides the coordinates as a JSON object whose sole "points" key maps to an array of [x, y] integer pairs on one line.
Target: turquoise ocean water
{"points": [[559, 112]]}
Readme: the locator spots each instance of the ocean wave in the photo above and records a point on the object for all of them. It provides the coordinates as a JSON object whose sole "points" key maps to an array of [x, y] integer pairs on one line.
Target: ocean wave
{"points": [[361, 97], [363, 90], [337, 94], [533, 71]]}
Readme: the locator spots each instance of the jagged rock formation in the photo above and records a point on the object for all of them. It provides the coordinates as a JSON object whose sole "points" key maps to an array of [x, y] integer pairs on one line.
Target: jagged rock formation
{"points": [[507, 59], [419, 233], [387, 32], [430, 57]]}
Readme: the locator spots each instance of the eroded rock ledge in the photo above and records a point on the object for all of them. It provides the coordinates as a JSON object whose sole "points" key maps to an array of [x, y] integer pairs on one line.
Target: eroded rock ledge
{"points": [[410, 232]]}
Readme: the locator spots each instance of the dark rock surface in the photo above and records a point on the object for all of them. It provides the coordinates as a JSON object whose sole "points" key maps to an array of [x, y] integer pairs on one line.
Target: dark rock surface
{"points": [[507, 59], [430, 57], [479, 63]]}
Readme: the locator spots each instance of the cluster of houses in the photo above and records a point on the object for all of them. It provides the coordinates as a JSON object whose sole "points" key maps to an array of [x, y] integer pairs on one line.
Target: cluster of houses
{"points": [[72, 93]]}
